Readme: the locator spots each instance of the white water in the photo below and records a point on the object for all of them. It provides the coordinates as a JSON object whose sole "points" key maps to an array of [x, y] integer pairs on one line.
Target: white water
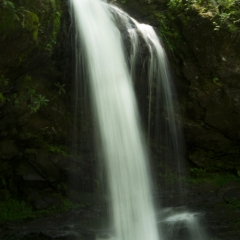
{"points": [[182, 224], [115, 108], [158, 77], [116, 111], [178, 223]]}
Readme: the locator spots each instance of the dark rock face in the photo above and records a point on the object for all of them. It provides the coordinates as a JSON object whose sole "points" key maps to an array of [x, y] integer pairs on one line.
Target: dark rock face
{"points": [[36, 104], [205, 61], [63, 226], [232, 195], [210, 104]]}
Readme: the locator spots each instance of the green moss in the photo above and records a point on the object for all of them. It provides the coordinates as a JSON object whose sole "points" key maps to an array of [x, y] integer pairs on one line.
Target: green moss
{"points": [[56, 16], [31, 23], [55, 23], [18, 19]]}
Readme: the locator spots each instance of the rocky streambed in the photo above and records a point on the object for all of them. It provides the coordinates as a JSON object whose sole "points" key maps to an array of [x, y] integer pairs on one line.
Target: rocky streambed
{"points": [[217, 208]]}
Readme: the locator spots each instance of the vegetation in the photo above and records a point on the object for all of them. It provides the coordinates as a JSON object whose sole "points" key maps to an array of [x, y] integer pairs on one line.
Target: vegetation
{"points": [[55, 22], [61, 88], [13, 209], [198, 176], [30, 98], [201, 176], [37, 100], [28, 19], [16, 210], [225, 12], [222, 14], [207, 3]]}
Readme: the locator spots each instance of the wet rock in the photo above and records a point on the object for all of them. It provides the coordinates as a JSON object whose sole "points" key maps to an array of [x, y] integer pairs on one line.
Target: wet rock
{"points": [[232, 195], [210, 107], [8, 149], [47, 201], [43, 164], [61, 226], [28, 172]]}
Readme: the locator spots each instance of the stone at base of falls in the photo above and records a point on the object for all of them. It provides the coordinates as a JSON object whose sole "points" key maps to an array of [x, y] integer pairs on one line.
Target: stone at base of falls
{"points": [[61, 226]]}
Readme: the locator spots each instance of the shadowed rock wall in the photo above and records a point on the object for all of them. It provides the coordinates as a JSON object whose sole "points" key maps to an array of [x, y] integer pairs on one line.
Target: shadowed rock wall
{"points": [[203, 49], [36, 103]]}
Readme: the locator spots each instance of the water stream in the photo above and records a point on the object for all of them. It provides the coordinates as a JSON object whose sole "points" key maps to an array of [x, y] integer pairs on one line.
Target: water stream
{"points": [[111, 84]]}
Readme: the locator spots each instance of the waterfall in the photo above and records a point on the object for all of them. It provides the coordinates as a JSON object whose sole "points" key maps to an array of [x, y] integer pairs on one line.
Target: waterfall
{"points": [[115, 108], [100, 30]]}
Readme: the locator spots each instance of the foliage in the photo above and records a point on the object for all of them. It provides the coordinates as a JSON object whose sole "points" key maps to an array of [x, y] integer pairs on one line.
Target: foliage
{"points": [[200, 176], [50, 44], [61, 88], [17, 13], [29, 97], [226, 12], [7, 4], [57, 149], [14, 210], [207, 3], [167, 32], [37, 100], [68, 204], [55, 21]]}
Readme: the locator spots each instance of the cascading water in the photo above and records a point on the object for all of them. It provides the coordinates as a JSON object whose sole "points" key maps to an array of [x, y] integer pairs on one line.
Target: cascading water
{"points": [[117, 115], [115, 108], [159, 88]]}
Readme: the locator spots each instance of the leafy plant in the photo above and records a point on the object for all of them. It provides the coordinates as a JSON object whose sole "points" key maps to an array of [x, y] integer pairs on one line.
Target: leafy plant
{"points": [[17, 13], [215, 80], [50, 45], [224, 17], [225, 12], [7, 4], [226, 3], [37, 100], [61, 88]]}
